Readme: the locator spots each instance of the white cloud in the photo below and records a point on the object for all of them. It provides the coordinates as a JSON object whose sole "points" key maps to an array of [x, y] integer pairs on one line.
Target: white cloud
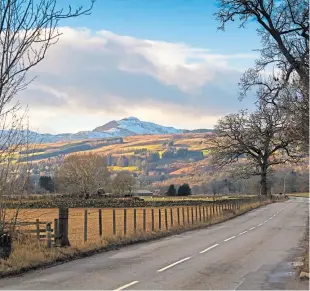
{"points": [[99, 76]]}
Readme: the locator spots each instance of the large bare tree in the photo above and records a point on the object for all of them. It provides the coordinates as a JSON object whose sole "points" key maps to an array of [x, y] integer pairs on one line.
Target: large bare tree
{"points": [[283, 26], [28, 28], [123, 182], [258, 141], [84, 174]]}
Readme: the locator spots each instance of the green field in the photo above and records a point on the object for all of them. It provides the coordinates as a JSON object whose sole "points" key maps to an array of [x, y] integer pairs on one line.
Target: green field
{"points": [[193, 198], [306, 195], [118, 169]]}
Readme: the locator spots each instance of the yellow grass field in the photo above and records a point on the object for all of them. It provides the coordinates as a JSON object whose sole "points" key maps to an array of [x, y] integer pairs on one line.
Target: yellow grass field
{"points": [[192, 215]]}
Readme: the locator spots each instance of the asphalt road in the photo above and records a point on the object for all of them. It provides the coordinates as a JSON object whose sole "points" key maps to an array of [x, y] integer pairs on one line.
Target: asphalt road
{"points": [[252, 251]]}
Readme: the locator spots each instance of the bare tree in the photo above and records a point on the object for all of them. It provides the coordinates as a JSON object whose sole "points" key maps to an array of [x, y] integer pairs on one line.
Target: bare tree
{"points": [[260, 139], [123, 182], [28, 28], [283, 26], [84, 173]]}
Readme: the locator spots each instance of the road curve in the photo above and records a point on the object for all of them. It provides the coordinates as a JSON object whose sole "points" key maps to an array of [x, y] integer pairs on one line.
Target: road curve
{"points": [[252, 251]]}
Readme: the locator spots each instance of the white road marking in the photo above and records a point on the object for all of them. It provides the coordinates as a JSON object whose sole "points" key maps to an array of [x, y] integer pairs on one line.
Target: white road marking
{"points": [[172, 265], [271, 217], [241, 233], [127, 285], [227, 239], [266, 221], [252, 228], [260, 224], [209, 248]]}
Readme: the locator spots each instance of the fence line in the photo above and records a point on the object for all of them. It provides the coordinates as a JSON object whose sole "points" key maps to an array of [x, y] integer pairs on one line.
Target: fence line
{"points": [[75, 226]]}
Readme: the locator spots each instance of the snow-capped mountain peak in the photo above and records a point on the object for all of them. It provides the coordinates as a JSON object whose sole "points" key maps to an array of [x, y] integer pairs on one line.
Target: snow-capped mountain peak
{"points": [[134, 126], [125, 127]]}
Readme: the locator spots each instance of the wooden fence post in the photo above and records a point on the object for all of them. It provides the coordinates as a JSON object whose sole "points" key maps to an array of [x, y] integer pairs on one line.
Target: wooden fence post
{"points": [[171, 217], [56, 232], [49, 235], [192, 215], [144, 219], [85, 225], [196, 213], [63, 222], [153, 219], [187, 215], [204, 213], [114, 222], [199, 213], [125, 221], [100, 223], [159, 219], [135, 220], [166, 218], [178, 214], [38, 229], [183, 215]]}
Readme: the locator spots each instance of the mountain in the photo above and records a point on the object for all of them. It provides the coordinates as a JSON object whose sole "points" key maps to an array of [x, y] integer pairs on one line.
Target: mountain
{"points": [[125, 127], [133, 126]]}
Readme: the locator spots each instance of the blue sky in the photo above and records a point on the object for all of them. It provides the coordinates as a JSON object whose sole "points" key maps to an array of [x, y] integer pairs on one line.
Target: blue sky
{"points": [[159, 60], [188, 21]]}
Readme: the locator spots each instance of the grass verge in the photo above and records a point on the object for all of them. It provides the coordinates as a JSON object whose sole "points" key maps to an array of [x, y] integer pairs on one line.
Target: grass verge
{"points": [[29, 255], [305, 267], [305, 195]]}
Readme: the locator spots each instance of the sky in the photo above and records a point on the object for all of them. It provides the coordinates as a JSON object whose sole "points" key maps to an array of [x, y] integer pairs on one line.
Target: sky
{"points": [[162, 61]]}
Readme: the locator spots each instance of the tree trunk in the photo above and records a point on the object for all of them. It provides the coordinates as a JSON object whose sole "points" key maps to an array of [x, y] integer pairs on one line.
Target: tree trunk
{"points": [[263, 183]]}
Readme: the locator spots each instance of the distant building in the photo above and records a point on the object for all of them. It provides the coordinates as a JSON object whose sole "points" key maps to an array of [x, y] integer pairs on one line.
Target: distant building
{"points": [[143, 192]]}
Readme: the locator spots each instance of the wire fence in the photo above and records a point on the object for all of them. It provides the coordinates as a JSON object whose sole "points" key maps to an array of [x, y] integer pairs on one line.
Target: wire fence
{"points": [[95, 224]]}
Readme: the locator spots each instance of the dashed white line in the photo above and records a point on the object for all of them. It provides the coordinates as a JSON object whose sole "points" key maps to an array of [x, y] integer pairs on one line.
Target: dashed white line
{"points": [[227, 239], [271, 218], [241, 233], [260, 224], [252, 228], [127, 285], [209, 248], [172, 265], [266, 221]]}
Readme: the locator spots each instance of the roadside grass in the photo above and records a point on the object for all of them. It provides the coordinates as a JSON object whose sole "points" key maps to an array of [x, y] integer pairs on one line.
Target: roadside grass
{"points": [[305, 195], [28, 254], [305, 267]]}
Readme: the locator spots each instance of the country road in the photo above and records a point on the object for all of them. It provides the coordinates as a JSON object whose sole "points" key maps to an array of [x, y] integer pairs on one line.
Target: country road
{"points": [[252, 251]]}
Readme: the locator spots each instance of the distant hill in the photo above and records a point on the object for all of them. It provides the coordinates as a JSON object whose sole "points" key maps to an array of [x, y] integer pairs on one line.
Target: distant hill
{"points": [[133, 126], [129, 126]]}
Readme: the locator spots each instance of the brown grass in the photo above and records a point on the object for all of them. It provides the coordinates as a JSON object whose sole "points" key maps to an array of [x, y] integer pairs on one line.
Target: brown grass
{"points": [[192, 215], [29, 254], [305, 267]]}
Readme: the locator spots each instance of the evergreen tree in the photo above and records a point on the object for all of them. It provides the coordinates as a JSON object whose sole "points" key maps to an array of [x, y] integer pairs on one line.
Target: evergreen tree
{"points": [[184, 190], [171, 191]]}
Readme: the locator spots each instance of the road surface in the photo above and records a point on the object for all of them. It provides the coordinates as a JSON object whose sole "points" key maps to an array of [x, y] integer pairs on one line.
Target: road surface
{"points": [[252, 251]]}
